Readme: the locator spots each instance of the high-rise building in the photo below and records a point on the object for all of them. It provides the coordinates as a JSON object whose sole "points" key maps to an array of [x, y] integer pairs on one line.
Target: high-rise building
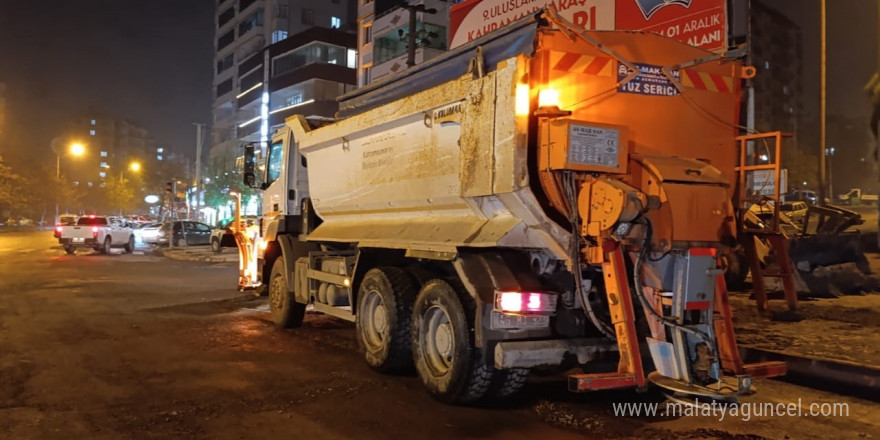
{"points": [[112, 145], [243, 28], [776, 54]]}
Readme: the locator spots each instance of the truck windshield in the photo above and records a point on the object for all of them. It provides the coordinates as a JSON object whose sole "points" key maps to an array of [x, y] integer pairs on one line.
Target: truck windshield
{"points": [[276, 158], [92, 221]]}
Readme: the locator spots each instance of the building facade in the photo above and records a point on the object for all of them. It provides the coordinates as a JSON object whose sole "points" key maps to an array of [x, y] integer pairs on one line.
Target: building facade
{"points": [[243, 28], [383, 35], [112, 145]]}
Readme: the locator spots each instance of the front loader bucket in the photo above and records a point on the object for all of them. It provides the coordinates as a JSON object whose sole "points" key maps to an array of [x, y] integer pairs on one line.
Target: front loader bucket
{"points": [[831, 264]]}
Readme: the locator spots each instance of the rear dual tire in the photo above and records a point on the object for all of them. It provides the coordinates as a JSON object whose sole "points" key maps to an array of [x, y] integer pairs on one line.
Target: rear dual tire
{"points": [[384, 313], [452, 369]]}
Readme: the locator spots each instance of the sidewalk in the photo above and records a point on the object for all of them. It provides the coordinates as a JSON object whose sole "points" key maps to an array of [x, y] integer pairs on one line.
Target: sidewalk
{"points": [[198, 253]]}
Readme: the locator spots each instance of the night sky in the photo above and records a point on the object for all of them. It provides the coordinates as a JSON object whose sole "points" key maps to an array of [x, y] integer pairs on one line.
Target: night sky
{"points": [[148, 61], [851, 49]]}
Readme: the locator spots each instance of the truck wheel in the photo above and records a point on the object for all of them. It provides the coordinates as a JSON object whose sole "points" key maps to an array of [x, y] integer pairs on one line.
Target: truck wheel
{"points": [[69, 249], [450, 367], [129, 247], [215, 246], [507, 383], [107, 245], [286, 312], [384, 314]]}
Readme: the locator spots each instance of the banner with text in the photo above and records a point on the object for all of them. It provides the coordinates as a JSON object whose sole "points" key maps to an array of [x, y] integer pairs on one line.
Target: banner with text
{"points": [[701, 23]]}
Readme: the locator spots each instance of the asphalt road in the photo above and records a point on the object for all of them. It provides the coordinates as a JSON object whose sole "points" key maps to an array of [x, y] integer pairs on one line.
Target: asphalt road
{"points": [[141, 347]]}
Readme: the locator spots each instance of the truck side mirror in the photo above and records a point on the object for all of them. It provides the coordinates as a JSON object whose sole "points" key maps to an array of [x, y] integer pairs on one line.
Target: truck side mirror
{"points": [[249, 175]]}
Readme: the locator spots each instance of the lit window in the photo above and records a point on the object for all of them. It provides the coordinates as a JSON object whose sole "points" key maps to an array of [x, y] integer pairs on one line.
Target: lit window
{"points": [[102, 174], [335, 23], [90, 184], [103, 164], [94, 122], [294, 99], [279, 36], [75, 183], [352, 59], [767, 65], [103, 154], [91, 132], [160, 150], [158, 157]]}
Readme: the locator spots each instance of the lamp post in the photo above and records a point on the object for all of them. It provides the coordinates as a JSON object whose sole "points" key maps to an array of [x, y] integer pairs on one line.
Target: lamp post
{"points": [[134, 166], [75, 149]]}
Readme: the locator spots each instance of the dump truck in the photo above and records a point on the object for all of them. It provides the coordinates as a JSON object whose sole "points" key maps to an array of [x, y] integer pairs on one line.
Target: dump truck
{"points": [[542, 197]]}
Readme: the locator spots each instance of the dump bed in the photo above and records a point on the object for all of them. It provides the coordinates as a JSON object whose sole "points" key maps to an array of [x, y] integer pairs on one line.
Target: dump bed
{"points": [[444, 156]]}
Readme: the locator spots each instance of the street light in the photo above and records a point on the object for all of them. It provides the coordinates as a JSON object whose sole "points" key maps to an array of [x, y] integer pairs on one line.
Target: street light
{"points": [[75, 149], [134, 166]]}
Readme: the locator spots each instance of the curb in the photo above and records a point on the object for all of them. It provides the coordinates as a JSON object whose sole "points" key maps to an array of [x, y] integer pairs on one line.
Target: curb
{"points": [[201, 258], [851, 379]]}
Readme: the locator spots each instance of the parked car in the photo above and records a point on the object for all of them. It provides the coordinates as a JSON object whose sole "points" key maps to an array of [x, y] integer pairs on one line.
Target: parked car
{"points": [[178, 232], [64, 220], [796, 211], [98, 233], [802, 195], [147, 233], [222, 237]]}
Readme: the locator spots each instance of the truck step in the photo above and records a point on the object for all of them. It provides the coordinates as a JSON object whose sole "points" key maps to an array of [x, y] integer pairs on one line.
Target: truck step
{"points": [[580, 383]]}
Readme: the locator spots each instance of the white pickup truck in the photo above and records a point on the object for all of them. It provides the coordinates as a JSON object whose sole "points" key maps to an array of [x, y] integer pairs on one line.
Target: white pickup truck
{"points": [[98, 233]]}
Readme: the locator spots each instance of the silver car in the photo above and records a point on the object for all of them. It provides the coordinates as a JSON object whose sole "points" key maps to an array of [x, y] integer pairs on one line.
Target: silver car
{"points": [[149, 234]]}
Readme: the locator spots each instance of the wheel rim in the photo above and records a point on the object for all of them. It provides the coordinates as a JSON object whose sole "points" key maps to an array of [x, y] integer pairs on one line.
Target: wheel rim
{"points": [[276, 293], [375, 323], [438, 340]]}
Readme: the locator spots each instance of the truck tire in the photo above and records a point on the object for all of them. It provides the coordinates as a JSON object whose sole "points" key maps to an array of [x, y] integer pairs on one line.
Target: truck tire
{"points": [[384, 314], [69, 249], [215, 246], [105, 249], [129, 247], [286, 312], [450, 367], [506, 384]]}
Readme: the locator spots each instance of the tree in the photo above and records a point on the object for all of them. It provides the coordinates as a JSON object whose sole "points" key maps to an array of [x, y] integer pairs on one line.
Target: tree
{"points": [[12, 188], [119, 193], [224, 180]]}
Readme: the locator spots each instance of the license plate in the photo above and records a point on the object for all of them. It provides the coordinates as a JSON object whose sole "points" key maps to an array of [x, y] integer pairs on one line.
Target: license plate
{"points": [[79, 240], [501, 321]]}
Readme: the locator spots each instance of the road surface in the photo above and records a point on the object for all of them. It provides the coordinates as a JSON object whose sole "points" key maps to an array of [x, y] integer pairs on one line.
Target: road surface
{"points": [[141, 347]]}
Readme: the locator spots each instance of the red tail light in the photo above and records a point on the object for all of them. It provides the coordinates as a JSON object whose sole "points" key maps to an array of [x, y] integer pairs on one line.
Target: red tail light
{"points": [[58, 228], [525, 302], [95, 231]]}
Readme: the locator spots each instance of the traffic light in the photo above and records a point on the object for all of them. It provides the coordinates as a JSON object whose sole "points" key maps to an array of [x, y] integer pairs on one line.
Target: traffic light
{"points": [[169, 187]]}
